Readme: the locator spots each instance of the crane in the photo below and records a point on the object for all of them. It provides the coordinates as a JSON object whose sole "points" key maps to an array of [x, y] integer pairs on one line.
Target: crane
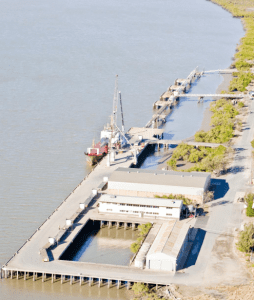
{"points": [[121, 104]]}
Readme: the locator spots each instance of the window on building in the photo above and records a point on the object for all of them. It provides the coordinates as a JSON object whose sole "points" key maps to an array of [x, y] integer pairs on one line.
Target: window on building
{"points": [[122, 204], [155, 213], [109, 209], [156, 207], [168, 214], [169, 207]]}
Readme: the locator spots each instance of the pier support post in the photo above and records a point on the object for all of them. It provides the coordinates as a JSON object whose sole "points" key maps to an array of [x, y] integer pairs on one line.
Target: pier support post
{"points": [[109, 224], [117, 225], [42, 278], [52, 278], [70, 280], [101, 224], [6, 274], [33, 276], [90, 281], [99, 283], [18, 275], [133, 226], [125, 226], [109, 283], [61, 279], [11, 274], [118, 284], [128, 285], [24, 275], [156, 287]]}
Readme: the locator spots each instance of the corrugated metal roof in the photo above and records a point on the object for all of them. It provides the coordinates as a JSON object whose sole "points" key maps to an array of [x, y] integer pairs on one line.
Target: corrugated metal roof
{"points": [[141, 201], [170, 238], [158, 177]]}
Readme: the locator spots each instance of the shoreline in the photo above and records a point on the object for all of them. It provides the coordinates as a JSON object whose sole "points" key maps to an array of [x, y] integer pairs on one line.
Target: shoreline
{"points": [[205, 125]]}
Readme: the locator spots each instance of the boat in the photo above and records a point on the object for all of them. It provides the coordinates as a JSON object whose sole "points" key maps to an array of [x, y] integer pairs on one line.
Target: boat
{"points": [[111, 136], [97, 152]]}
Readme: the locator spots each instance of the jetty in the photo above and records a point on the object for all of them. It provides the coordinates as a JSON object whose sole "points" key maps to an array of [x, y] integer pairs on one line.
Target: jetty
{"points": [[39, 257]]}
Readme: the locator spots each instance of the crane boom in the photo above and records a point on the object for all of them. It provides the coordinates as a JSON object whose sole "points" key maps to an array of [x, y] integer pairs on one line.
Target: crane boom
{"points": [[115, 102], [121, 104]]}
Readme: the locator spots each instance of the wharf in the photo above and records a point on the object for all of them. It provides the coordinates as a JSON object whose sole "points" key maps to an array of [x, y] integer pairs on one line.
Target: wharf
{"points": [[36, 257]]}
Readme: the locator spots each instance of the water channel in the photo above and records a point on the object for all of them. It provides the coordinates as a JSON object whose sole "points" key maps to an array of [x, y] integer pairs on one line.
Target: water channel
{"points": [[57, 69]]}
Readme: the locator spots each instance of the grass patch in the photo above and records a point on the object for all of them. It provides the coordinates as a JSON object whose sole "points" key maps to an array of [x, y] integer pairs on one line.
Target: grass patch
{"points": [[222, 122]]}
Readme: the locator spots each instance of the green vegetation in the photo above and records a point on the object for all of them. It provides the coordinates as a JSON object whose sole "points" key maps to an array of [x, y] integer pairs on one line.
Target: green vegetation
{"points": [[245, 51], [222, 122], [241, 104], [252, 143], [206, 159], [246, 241], [143, 231], [249, 200], [141, 290], [186, 201], [240, 81]]}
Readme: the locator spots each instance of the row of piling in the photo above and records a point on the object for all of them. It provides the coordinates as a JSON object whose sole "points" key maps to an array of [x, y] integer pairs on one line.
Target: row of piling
{"points": [[82, 280], [118, 225]]}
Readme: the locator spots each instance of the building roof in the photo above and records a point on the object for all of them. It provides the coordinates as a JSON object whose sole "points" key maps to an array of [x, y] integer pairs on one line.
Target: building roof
{"points": [[141, 201], [170, 238], [158, 177]]}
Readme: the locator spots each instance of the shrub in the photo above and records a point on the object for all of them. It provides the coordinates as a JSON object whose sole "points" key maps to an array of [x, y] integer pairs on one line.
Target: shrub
{"points": [[140, 288], [222, 122], [172, 163], [240, 82], [246, 241], [135, 247], [240, 104], [249, 200], [252, 143]]}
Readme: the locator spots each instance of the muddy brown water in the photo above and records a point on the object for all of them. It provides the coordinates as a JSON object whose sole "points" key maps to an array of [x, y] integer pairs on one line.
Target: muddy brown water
{"points": [[57, 69]]}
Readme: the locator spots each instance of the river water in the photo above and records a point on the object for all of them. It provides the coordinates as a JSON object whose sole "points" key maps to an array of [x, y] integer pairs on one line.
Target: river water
{"points": [[57, 69]]}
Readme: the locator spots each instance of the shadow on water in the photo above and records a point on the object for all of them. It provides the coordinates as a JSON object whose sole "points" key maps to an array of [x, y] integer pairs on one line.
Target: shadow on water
{"points": [[220, 188], [198, 242]]}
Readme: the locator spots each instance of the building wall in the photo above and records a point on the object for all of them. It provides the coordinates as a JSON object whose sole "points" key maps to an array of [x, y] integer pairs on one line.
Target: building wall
{"points": [[197, 198], [161, 261], [152, 211]]}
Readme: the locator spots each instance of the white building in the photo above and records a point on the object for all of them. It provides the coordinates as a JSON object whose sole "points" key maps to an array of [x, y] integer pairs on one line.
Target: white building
{"points": [[149, 183], [141, 207], [168, 247]]}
